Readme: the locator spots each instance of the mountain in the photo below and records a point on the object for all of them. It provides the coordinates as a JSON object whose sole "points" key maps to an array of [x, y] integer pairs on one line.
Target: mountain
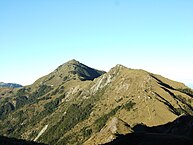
{"points": [[9, 85], [76, 104]]}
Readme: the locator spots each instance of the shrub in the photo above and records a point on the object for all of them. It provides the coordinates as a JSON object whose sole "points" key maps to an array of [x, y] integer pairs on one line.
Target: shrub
{"points": [[186, 91], [129, 105], [52, 105], [5, 109], [21, 101], [100, 122], [42, 90], [86, 132]]}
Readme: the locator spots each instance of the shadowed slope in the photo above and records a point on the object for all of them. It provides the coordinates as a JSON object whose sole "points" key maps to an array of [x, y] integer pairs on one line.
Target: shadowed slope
{"points": [[178, 132], [13, 141]]}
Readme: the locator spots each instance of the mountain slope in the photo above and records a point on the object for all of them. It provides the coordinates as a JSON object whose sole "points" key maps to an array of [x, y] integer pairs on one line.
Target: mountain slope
{"points": [[76, 104]]}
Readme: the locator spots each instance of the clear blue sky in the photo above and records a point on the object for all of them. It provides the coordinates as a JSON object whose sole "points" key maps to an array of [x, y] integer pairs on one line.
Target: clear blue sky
{"points": [[36, 36]]}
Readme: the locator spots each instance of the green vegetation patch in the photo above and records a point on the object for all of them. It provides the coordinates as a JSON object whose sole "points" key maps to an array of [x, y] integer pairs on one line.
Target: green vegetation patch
{"points": [[23, 91], [100, 122], [52, 105], [42, 90], [21, 101], [22, 97], [129, 105], [74, 114], [86, 132], [186, 91], [5, 109]]}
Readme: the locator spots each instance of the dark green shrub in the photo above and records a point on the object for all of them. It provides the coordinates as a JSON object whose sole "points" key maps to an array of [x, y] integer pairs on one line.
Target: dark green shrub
{"points": [[129, 105], [65, 78], [186, 91], [21, 92], [86, 132], [21, 101], [42, 90], [74, 114], [54, 92], [100, 122], [5, 109], [52, 105]]}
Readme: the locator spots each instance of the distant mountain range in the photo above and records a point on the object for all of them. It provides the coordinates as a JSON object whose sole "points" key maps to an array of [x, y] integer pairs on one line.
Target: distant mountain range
{"points": [[9, 85], [77, 104]]}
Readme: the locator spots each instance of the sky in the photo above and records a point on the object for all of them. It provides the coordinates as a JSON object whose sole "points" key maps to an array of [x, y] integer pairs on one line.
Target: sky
{"points": [[36, 36]]}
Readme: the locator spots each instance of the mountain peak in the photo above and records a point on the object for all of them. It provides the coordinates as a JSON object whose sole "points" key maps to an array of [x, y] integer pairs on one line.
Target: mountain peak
{"points": [[120, 66], [71, 70], [78, 70], [73, 61]]}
